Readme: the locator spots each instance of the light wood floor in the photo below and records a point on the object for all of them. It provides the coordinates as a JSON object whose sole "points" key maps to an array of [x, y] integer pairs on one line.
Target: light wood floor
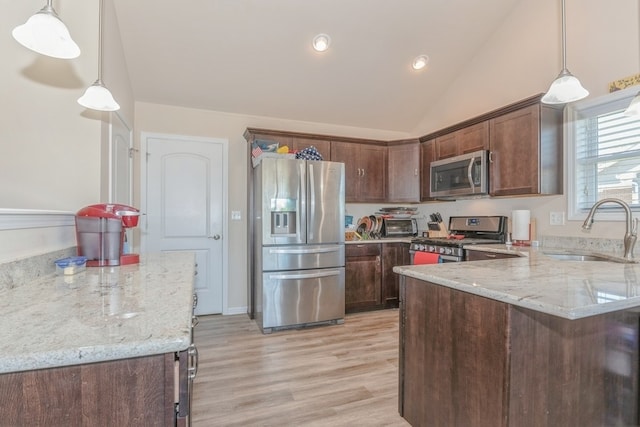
{"points": [[334, 375]]}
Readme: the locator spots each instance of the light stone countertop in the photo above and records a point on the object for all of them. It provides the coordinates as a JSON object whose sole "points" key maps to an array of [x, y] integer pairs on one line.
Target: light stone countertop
{"points": [[382, 240], [103, 313], [533, 280]]}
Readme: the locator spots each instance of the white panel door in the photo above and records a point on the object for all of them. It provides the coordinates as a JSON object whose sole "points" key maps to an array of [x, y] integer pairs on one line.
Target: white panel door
{"points": [[184, 208]]}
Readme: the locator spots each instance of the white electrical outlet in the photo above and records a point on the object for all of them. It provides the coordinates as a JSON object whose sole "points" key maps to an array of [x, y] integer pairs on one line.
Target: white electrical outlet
{"points": [[236, 216], [556, 218]]}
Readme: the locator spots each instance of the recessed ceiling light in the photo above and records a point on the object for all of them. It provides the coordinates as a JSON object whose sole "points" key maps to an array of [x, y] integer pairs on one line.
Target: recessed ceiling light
{"points": [[420, 62], [321, 42]]}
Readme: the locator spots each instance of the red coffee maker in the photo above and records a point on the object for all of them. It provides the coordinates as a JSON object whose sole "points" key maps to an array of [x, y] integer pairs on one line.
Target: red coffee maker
{"points": [[100, 233]]}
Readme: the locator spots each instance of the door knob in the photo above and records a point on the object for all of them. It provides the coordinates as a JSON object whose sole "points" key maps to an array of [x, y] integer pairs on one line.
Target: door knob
{"points": [[215, 237]]}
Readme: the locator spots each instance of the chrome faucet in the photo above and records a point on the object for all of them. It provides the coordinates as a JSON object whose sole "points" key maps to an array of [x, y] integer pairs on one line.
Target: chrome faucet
{"points": [[630, 234]]}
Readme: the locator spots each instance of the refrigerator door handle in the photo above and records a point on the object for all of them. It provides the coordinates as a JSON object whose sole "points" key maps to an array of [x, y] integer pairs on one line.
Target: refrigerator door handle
{"points": [[311, 203], [292, 276], [295, 251]]}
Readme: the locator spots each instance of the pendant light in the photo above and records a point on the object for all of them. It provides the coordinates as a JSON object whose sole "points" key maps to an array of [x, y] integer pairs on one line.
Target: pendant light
{"points": [[97, 96], [566, 87], [46, 34], [633, 110]]}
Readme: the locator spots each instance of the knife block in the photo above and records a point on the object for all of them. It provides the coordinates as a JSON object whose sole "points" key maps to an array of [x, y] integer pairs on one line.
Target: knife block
{"points": [[437, 229]]}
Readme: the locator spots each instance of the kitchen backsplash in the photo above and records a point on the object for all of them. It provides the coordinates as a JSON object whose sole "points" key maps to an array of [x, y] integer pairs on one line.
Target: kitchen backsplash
{"points": [[20, 272]]}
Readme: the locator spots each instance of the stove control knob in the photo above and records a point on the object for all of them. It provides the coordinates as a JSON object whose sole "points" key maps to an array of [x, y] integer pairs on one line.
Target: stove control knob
{"points": [[448, 251], [431, 249], [441, 250]]}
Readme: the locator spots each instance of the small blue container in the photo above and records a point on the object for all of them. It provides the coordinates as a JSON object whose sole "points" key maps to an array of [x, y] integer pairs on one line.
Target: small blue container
{"points": [[71, 265], [348, 220]]}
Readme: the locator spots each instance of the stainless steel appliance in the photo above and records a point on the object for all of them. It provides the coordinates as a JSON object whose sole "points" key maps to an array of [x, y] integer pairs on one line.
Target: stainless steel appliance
{"points": [[399, 227], [298, 270], [460, 176], [463, 230]]}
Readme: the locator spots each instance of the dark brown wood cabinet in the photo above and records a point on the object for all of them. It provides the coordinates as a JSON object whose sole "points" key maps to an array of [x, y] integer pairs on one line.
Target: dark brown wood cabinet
{"points": [[466, 360], [485, 256], [363, 277], [393, 254], [466, 140], [127, 392], [427, 155], [365, 170], [370, 283], [322, 145], [526, 152], [404, 172], [295, 142]]}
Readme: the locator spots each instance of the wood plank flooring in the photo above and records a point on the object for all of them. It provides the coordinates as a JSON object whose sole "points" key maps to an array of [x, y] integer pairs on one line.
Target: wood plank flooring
{"points": [[334, 375]]}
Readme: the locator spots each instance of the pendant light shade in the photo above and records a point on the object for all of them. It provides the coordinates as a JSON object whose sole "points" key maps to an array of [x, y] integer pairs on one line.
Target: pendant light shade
{"points": [[566, 87], [633, 110], [46, 34], [97, 96]]}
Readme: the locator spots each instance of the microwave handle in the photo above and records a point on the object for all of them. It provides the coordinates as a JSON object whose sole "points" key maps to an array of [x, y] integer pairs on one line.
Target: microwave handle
{"points": [[470, 174]]}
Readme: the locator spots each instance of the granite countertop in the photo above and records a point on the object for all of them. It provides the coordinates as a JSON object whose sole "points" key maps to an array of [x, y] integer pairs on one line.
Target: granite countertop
{"points": [[103, 313], [382, 240], [534, 280]]}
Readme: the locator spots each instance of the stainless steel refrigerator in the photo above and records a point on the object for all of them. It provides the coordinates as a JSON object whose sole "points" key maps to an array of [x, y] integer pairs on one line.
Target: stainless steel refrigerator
{"points": [[298, 234]]}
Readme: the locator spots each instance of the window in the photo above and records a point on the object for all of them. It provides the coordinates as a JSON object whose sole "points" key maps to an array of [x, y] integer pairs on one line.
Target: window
{"points": [[604, 155]]}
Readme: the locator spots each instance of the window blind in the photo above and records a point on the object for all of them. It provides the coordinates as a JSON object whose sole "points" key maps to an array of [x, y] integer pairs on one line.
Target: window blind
{"points": [[607, 156]]}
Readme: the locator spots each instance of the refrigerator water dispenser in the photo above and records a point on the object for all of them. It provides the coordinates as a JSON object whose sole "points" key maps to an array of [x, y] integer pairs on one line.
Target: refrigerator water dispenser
{"points": [[283, 223]]}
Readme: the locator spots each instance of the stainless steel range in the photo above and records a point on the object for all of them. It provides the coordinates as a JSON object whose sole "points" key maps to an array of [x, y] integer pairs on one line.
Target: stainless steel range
{"points": [[463, 230]]}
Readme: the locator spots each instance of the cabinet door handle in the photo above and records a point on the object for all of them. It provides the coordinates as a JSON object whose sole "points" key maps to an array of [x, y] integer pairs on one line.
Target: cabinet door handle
{"points": [[490, 156], [415, 172], [362, 172], [193, 366], [490, 255]]}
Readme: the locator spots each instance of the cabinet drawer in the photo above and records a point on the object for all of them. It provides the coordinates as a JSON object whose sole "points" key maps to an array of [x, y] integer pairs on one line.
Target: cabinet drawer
{"points": [[362, 249], [482, 256]]}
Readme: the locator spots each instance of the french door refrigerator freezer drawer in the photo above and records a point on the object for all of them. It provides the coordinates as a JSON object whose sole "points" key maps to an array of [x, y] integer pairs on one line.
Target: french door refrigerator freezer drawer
{"points": [[302, 297]]}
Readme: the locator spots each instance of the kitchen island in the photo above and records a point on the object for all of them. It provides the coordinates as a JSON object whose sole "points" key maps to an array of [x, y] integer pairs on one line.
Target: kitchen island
{"points": [[106, 346], [523, 341]]}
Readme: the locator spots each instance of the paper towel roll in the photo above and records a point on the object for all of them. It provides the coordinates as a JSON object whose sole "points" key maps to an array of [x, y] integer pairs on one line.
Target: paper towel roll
{"points": [[520, 224]]}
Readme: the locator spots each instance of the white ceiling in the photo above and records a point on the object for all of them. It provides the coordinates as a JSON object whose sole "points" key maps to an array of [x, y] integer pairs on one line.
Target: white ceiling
{"points": [[254, 56]]}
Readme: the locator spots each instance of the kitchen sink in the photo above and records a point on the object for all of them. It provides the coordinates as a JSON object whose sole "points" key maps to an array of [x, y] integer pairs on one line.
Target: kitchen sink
{"points": [[567, 256]]}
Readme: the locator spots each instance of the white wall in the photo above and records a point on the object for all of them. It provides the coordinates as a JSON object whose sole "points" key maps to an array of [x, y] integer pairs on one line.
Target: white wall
{"points": [[53, 150]]}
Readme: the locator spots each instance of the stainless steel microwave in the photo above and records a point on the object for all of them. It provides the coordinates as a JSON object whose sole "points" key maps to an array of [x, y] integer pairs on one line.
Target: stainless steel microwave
{"points": [[460, 176]]}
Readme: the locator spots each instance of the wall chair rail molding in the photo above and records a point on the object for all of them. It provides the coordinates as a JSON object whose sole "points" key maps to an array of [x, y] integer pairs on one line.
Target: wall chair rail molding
{"points": [[15, 219]]}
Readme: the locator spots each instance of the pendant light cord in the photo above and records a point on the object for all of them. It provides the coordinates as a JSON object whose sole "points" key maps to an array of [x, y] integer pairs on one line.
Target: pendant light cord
{"points": [[100, 41], [564, 38]]}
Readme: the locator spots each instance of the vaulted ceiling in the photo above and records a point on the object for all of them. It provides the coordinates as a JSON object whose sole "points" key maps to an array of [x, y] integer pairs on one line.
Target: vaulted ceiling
{"points": [[255, 57]]}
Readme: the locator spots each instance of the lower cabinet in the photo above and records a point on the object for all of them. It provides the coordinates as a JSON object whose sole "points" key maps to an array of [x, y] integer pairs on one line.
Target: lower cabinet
{"points": [[363, 277], [370, 283], [127, 392], [392, 254]]}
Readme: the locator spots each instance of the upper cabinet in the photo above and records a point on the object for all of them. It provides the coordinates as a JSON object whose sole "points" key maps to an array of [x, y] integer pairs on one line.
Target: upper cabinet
{"points": [[466, 140], [365, 170], [526, 152], [295, 142], [404, 172], [427, 155], [524, 140]]}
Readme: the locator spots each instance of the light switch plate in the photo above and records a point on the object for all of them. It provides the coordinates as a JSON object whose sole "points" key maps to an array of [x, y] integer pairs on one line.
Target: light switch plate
{"points": [[236, 216]]}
